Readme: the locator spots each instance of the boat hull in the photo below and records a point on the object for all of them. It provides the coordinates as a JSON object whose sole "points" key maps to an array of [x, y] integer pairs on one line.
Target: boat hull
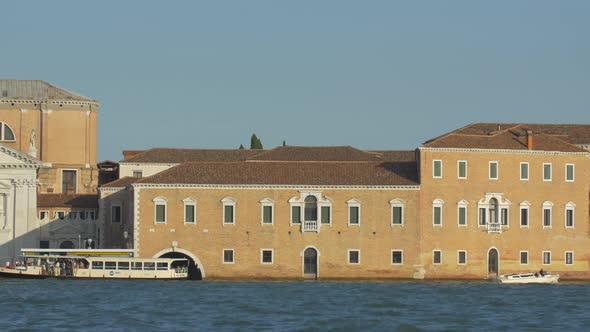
{"points": [[528, 279]]}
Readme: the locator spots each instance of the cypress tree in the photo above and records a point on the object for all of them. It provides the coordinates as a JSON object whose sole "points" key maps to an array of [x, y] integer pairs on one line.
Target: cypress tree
{"points": [[241, 147], [255, 142], [284, 143]]}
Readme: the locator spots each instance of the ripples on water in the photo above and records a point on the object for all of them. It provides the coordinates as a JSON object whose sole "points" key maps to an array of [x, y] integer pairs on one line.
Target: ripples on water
{"points": [[301, 306]]}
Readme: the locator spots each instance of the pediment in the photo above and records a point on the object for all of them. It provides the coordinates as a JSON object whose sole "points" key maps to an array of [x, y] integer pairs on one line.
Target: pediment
{"points": [[12, 158], [66, 229]]}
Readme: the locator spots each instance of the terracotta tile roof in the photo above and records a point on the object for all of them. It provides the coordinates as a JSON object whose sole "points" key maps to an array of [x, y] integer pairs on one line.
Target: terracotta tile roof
{"points": [[67, 200], [392, 155], [508, 136], [289, 173], [316, 153], [121, 183], [37, 90], [177, 156]]}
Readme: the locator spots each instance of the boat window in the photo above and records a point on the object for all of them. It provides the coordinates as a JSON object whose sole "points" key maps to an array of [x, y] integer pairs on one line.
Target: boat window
{"points": [[149, 266], [136, 265], [162, 266], [123, 265], [110, 265], [97, 265]]}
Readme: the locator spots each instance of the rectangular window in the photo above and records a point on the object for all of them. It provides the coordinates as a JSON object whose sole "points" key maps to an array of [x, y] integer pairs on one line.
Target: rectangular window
{"points": [[546, 172], [110, 265], [437, 216], [524, 171], [266, 256], [569, 172], [397, 257], [462, 216], [437, 257], [482, 216], [353, 215], [43, 215], [546, 217], [569, 258], [462, 169], [296, 214], [267, 214], [325, 214], [569, 217], [228, 256], [546, 257], [437, 168], [462, 257], [524, 217], [160, 213], [97, 265], [504, 216], [123, 265], [137, 174], [354, 256], [149, 266], [115, 213], [44, 244], [137, 266], [162, 266], [69, 181], [397, 215], [524, 258], [189, 214], [61, 215], [493, 170], [228, 214]]}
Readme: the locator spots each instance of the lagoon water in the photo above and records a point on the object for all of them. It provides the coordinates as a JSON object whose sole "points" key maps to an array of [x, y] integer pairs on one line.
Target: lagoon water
{"points": [[101, 305]]}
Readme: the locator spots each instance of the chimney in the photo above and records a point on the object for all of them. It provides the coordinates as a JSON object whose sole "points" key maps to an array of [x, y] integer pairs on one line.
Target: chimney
{"points": [[529, 139]]}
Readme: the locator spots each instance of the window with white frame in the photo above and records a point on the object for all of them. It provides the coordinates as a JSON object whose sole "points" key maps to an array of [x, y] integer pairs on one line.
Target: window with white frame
{"points": [[437, 212], [504, 216], [397, 211], [267, 211], [569, 214], [228, 256], [6, 133], [546, 257], [326, 213], [569, 258], [295, 214], [354, 256], [190, 210], [462, 213], [397, 257], [311, 209], [524, 214], [524, 258], [493, 170], [137, 174], [462, 257], [354, 212], [61, 215], [43, 215], [524, 171], [437, 257], [73, 215], [547, 211], [160, 207], [437, 169], [462, 169], [493, 209], [229, 210], [547, 171], [569, 172], [115, 213], [266, 256]]}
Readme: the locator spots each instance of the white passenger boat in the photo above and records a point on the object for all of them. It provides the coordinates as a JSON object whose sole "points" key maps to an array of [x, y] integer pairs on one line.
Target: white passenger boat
{"points": [[84, 267], [529, 278]]}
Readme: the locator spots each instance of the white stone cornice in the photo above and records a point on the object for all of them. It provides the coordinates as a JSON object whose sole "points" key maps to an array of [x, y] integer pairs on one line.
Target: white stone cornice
{"points": [[504, 151], [271, 186], [29, 162], [54, 102]]}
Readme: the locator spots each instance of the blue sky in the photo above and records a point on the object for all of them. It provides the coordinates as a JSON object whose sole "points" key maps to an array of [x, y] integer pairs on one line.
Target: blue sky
{"points": [[371, 74]]}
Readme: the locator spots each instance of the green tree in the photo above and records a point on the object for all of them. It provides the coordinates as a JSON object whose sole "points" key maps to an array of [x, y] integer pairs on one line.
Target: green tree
{"points": [[284, 143], [255, 142], [241, 147]]}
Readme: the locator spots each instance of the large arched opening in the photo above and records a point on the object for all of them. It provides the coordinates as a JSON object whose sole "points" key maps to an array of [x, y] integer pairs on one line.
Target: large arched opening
{"points": [[195, 268]]}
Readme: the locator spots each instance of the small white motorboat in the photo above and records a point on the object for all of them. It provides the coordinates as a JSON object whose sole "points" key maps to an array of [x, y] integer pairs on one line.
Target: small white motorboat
{"points": [[529, 278]]}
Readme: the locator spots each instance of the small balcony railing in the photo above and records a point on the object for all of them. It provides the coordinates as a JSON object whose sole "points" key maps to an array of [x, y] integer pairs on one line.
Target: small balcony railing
{"points": [[495, 228], [310, 226]]}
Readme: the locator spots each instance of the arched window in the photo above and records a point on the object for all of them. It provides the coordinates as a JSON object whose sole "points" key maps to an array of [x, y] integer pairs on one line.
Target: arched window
{"points": [[6, 133], [67, 245], [493, 210], [311, 208]]}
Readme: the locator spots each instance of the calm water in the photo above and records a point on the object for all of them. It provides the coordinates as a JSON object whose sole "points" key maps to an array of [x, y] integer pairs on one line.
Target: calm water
{"points": [[299, 306]]}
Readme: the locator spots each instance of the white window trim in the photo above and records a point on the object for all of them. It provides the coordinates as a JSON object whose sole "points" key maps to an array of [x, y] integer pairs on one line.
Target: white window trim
{"points": [[263, 203], [233, 256], [547, 206], [520, 257], [348, 256], [61, 182], [56, 215], [462, 204], [160, 200], [485, 204], [272, 256], [507, 208], [229, 201], [565, 257], [433, 169], [459, 169], [291, 205], [458, 256], [46, 214], [490, 170], [354, 203], [570, 206], [4, 124], [441, 257], [525, 206], [137, 171], [573, 173], [437, 203], [189, 202], [391, 257], [322, 201], [528, 171], [550, 172], [117, 204], [543, 258], [397, 202]]}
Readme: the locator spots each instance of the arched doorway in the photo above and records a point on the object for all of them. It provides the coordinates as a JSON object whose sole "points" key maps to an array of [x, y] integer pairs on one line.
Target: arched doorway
{"points": [[194, 266], [493, 262], [310, 263], [67, 245]]}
